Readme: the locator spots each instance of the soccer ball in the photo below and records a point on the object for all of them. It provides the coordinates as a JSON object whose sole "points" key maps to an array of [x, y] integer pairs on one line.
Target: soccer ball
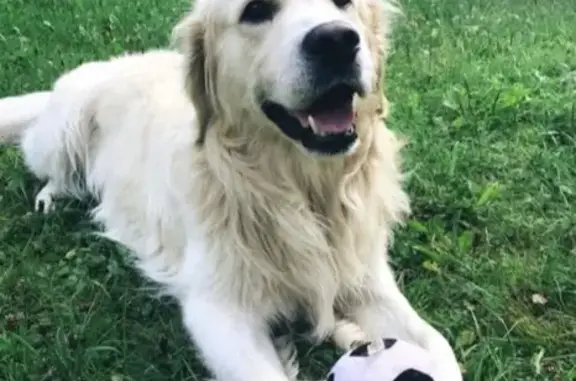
{"points": [[385, 360]]}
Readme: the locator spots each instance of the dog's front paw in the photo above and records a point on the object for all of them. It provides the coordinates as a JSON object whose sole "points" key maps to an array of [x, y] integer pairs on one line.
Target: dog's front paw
{"points": [[449, 371], [347, 335], [447, 366]]}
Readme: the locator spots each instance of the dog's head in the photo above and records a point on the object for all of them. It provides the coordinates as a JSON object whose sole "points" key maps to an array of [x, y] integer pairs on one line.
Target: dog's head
{"points": [[295, 66]]}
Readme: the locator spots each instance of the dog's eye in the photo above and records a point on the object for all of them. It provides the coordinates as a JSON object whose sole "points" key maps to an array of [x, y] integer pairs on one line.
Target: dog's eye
{"points": [[258, 11], [342, 3]]}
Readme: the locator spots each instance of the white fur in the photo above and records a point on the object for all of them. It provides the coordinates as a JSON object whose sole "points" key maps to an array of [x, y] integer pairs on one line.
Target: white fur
{"points": [[245, 229]]}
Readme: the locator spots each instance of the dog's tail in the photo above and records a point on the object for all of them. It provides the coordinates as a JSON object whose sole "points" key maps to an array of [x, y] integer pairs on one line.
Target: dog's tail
{"points": [[17, 112]]}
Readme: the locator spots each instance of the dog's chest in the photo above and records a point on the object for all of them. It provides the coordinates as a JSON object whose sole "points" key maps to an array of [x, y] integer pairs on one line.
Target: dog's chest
{"points": [[309, 251], [297, 235]]}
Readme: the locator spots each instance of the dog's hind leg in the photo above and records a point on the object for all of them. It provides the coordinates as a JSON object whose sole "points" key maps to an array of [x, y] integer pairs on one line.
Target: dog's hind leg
{"points": [[46, 156], [55, 146], [44, 201]]}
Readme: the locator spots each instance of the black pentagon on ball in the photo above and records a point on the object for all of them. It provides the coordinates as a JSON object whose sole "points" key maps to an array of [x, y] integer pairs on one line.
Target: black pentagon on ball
{"points": [[360, 351], [389, 343], [413, 375], [330, 377]]}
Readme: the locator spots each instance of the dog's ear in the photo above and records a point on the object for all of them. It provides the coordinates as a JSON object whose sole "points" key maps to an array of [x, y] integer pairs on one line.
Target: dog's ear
{"points": [[377, 17], [189, 37]]}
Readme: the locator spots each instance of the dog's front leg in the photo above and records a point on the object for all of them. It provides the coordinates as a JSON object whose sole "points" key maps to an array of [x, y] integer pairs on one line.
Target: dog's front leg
{"points": [[384, 311], [234, 343]]}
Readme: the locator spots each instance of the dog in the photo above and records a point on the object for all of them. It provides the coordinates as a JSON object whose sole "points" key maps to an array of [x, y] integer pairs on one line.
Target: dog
{"points": [[249, 171]]}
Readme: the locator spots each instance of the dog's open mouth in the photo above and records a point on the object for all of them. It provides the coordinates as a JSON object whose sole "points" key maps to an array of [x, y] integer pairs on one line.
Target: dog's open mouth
{"points": [[325, 126]]}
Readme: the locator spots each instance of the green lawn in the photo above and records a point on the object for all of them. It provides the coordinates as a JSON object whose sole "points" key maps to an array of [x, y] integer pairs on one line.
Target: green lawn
{"points": [[484, 89]]}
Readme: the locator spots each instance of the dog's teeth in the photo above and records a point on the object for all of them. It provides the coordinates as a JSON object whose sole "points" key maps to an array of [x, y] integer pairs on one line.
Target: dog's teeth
{"points": [[313, 125], [350, 131]]}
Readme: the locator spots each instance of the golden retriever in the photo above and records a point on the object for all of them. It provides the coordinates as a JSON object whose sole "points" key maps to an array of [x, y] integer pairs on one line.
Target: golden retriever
{"points": [[248, 170]]}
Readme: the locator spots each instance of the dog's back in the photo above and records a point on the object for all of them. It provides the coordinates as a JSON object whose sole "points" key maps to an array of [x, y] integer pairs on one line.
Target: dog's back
{"points": [[61, 131]]}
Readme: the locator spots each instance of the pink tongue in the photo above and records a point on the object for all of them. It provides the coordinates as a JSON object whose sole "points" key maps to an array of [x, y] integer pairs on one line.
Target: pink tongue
{"points": [[334, 121], [330, 121]]}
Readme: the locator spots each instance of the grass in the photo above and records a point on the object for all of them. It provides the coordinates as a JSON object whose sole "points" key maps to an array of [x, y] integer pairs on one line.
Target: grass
{"points": [[484, 89]]}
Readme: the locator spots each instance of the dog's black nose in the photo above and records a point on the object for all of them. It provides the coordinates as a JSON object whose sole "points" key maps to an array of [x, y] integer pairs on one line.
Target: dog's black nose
{"points": [[332, 43]]}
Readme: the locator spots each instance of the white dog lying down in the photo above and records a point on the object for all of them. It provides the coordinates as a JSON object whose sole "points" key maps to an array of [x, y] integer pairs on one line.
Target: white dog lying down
{"points": [[251, 175]]}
